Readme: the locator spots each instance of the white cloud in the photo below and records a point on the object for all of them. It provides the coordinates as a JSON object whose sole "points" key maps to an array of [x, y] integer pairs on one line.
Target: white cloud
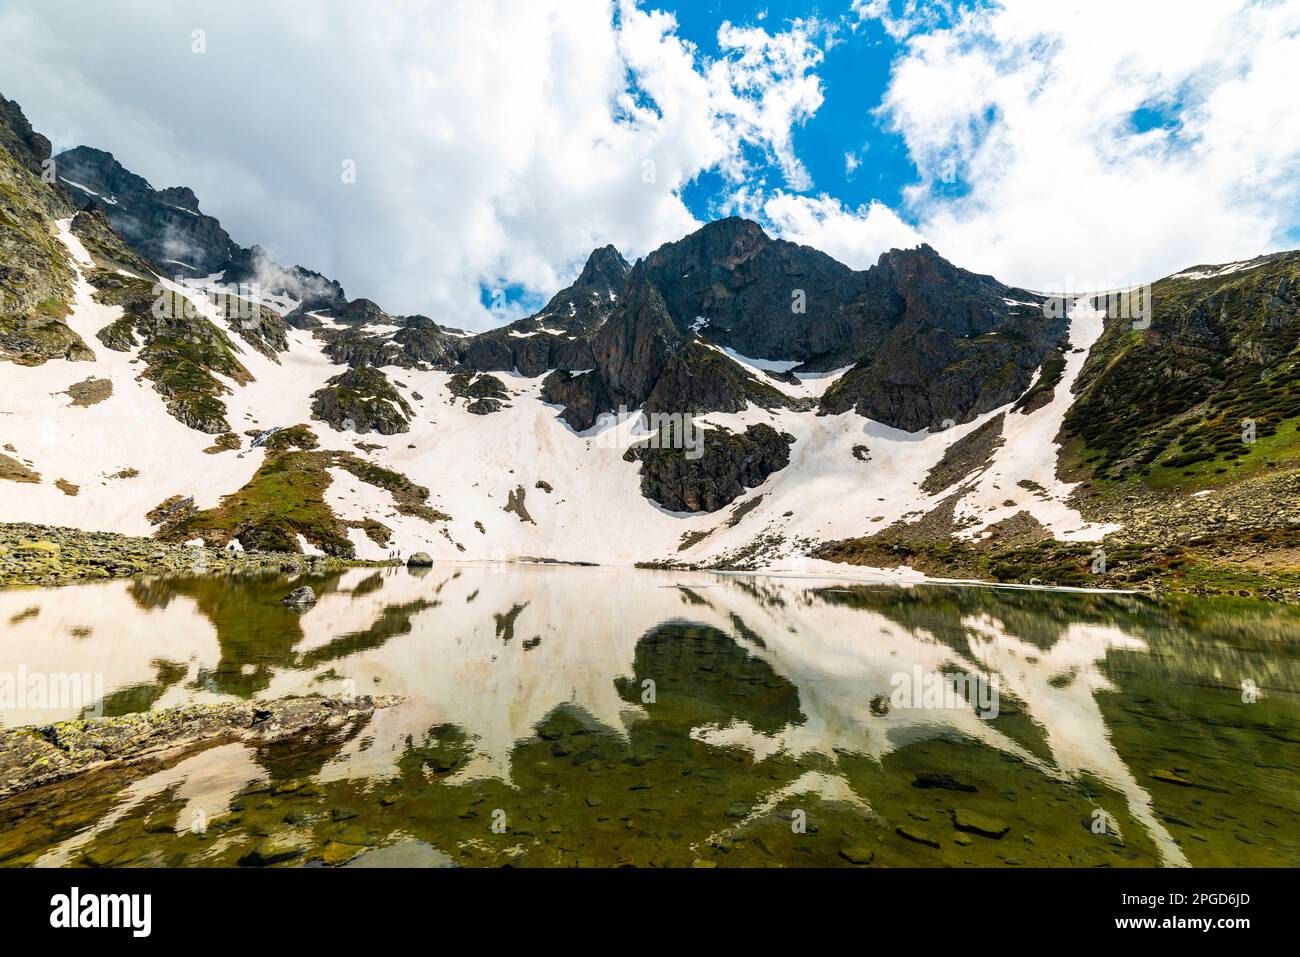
{"points": [[767, 87], [902, 17], [855, 237], [494, 140], [500, 140], [1033, 102]]}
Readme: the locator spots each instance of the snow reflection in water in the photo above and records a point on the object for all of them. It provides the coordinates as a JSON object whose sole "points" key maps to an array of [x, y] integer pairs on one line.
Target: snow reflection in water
{"points": [[620, 716]]}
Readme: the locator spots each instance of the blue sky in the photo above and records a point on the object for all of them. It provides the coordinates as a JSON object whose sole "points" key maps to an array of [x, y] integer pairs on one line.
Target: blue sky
{"points": [[854, 73], [1067, 144]]}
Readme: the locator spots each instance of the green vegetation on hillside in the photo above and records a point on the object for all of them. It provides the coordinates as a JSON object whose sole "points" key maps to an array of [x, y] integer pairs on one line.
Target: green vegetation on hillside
{"points": [[35, 271], [285, 498], [362, 400], [181, 349], [1209, 394], [1220, 564]]}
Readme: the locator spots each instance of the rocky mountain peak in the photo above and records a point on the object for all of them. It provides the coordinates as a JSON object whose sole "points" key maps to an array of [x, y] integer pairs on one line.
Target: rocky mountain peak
{"points": [[583, 307], [101, 173], [922, 265], [605, 267], [17, 136], [181, 196], [934, 291], [636, 342], [921, 251], [311, 289], [360, 312], [165, 226], [724, 243]]}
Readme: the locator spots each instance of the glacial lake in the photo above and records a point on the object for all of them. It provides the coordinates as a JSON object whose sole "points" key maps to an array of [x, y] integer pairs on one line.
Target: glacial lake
{"points": [[574, 716]]}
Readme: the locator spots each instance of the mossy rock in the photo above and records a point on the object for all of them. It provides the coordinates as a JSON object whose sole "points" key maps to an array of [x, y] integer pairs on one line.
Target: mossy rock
{"points": [[362, 400]]}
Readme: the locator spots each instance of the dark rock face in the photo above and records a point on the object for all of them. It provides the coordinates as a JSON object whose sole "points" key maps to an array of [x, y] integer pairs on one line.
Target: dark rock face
{"points": [[730, 463], [951, 349], [299, 319], [636, 342], [558, 336], [484, 406], [262, 328], [532, 354], [700, 379], [583, 396], [645, 352], [362, 400], [165, 226], [928, 342], [583, 307], [24, 144], [747, 285], [420, 343], [927, 380], [357, 348], [484, 394], [422, 340], [360, 312]]}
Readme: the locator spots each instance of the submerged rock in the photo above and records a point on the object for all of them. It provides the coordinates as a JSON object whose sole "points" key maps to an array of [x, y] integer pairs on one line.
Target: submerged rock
{"points": [[274, 850], [335, 853], [974, 823], [409, 853], [916, 836], [942, 781], [300, 597], [32, 756], [858, 854]]}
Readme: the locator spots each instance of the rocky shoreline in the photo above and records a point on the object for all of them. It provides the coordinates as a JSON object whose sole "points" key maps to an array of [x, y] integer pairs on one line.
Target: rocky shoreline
{"points": [[1241, 540], [37, 755], [1201, 557], [54, 555]]}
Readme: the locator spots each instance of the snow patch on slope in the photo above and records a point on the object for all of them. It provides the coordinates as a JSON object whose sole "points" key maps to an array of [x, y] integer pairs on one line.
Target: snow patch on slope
{"points": [[1030, 453], [472, 464]]}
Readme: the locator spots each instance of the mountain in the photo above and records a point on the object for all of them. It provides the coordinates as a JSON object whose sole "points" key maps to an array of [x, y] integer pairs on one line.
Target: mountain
{"points": [[24, 145], [558, 336], [729, 399], [165, 226], [35, 277]]}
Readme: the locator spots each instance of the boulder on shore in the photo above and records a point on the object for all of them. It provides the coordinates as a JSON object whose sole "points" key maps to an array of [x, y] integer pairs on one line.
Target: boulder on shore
{"points": [[420, 560]]}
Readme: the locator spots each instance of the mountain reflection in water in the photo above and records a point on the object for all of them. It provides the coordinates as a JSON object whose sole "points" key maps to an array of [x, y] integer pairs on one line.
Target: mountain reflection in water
{"points": [[558, 716]]}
